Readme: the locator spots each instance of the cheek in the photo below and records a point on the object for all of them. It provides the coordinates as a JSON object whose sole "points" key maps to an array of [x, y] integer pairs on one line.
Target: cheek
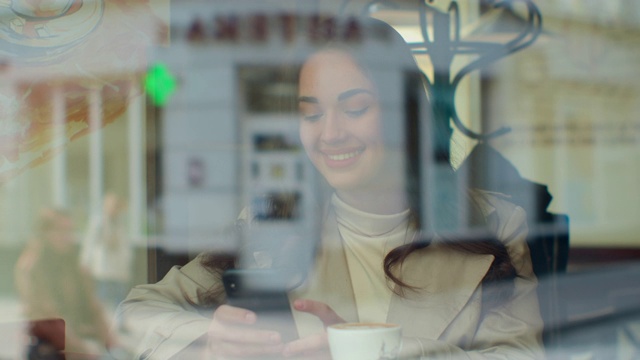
{"points": [[306, 137], [372, 130]]}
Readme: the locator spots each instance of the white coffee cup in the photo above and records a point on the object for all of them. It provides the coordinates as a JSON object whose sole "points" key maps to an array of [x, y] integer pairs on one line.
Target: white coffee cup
{"points": [[364, 341]]}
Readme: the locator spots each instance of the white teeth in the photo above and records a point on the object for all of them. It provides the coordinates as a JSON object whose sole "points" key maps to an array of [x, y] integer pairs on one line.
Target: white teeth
{"points": [[342, 157]]}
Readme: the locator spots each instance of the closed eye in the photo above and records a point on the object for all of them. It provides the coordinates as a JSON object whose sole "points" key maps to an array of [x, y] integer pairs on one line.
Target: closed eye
{"points": [[354, 113], [309, 108], [312, 117]]}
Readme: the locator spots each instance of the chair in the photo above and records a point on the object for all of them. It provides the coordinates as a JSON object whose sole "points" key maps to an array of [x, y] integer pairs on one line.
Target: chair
{"points": [[42, 339]]}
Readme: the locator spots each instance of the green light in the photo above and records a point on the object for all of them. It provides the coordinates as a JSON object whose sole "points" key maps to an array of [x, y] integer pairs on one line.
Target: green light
{"points": [[159, 84]]}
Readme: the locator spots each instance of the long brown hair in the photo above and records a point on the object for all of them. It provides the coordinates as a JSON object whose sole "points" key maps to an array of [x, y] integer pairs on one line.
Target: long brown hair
{"points": [[497, 282]]}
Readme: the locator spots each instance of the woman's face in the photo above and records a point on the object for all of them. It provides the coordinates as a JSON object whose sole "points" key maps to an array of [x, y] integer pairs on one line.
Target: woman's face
{"points": [[340, 120], [60, 235]]}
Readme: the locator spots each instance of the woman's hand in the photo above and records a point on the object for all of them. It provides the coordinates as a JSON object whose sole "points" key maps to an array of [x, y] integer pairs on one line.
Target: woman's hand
{"points": [[231, 335], [315, 346]]}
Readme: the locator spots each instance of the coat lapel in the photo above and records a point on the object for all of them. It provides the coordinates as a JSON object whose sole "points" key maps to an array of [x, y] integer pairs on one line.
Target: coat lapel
{"points": [[323, 284], [446, 279]]}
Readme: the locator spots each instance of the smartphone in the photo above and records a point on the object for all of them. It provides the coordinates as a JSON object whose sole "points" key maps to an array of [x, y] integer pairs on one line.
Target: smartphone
{"points": [[264, 292]]}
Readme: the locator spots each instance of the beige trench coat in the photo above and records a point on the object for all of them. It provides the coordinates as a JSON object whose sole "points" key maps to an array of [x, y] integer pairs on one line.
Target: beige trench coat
{"points": [[443, 320]]}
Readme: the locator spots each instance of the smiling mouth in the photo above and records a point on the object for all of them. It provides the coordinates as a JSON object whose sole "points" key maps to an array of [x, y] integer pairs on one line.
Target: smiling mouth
{"points": [[344, 156]]}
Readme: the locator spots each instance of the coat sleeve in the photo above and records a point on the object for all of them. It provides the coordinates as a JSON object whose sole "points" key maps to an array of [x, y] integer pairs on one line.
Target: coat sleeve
{"points": [[159, 320], [508, 331], [513, 330]]}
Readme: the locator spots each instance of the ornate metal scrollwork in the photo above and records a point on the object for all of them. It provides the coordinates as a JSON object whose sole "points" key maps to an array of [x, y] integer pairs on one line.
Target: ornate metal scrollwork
{"points": [[441, 41]]}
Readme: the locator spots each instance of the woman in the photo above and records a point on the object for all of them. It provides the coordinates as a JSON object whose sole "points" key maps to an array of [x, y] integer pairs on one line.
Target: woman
{"points": [[453, 296]]}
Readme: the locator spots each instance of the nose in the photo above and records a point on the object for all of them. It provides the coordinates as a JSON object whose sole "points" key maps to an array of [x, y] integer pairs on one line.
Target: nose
{"points": [[334, 130]]}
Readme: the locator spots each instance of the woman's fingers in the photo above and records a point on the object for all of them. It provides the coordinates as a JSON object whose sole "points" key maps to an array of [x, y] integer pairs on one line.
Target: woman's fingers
{"points": [[323, 311], [232, 324], [231, 334], [243, 335], [314, 345], [232, 314]]}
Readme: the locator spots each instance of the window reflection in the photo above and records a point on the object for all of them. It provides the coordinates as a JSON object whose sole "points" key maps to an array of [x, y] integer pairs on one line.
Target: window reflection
{"points": [[76, 128]]}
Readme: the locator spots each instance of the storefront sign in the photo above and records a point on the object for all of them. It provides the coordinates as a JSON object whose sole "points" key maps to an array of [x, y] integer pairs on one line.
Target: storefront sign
{"points": [[260, 28]]}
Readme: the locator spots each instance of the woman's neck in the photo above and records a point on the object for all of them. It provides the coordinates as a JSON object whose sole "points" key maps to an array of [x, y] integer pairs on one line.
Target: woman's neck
{"points": [[382, 202]]}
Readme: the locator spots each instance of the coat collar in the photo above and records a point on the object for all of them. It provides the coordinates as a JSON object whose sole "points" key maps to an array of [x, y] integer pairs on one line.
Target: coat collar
{"points": [[445, 280]]}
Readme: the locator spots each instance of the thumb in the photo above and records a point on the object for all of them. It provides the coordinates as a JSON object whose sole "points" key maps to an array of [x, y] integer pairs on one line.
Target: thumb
{"points": [[323, 311]]}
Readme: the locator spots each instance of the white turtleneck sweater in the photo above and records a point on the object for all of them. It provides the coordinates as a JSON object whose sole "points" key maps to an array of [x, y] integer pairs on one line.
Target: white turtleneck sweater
{"points": [[367, 239]]}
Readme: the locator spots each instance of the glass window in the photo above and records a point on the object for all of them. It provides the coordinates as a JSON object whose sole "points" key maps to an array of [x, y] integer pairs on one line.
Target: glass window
{"points": [[160, 159]]}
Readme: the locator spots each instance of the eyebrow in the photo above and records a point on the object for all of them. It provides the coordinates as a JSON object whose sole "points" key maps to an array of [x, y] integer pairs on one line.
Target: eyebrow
{"points": [[353, 92], [308, 99], [342, 97]]}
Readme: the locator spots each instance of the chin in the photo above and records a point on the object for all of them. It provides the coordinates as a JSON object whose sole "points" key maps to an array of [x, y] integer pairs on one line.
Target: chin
{"points": [[345, 183], [352, 178]]}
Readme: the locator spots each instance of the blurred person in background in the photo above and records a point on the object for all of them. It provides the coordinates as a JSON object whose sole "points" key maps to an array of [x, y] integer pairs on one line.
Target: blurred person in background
{"points": [[107, 251], [53, 285]]}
